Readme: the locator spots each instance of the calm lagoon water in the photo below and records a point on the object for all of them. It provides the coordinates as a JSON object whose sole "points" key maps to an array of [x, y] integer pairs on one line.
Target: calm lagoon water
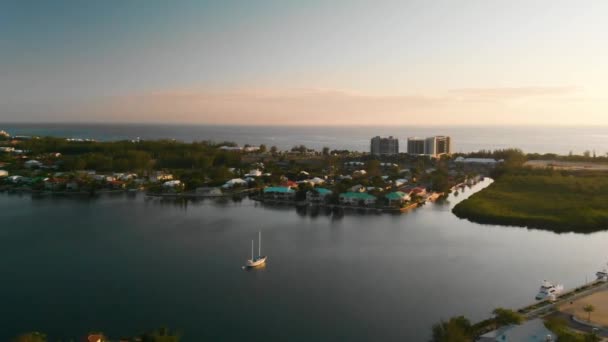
{"points": [[123, 265]]}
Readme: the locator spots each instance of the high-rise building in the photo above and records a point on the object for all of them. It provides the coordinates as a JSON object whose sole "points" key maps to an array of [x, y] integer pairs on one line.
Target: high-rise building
{"points": [[432, 146], [384, 146], [416, 145]]}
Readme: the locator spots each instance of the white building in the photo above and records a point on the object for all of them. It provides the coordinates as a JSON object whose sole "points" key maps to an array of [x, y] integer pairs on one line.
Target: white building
{"points": [[172, 184], [30, 164], [254, 173], [15, 179], [234, 182]]}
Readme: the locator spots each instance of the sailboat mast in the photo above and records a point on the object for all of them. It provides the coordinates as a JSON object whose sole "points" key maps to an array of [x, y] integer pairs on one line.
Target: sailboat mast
{"points": [[251, 249], [260, 244]]}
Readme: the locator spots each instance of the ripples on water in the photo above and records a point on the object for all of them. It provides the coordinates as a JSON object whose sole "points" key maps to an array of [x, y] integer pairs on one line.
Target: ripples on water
{"points": [[124, 265]]}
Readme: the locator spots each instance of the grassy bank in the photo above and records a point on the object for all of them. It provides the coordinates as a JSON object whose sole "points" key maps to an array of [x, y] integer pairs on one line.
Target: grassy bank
{"points": [[557, 201]]}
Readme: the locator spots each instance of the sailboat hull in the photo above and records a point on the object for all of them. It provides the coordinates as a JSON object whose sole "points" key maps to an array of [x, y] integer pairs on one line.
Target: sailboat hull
{"points": [[259, 261]]}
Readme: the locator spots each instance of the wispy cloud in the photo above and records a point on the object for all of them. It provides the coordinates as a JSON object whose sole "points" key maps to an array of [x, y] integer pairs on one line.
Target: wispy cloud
{"points": [[509, 93], [312, 106]]}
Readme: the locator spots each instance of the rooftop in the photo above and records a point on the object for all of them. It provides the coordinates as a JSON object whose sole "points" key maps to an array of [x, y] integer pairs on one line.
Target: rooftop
{"points": [[282, 189], [358, 195]]}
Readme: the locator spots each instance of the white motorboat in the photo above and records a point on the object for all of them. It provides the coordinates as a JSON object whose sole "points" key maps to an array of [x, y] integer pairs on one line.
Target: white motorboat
{"points": [[260, 259], [548, 290]]}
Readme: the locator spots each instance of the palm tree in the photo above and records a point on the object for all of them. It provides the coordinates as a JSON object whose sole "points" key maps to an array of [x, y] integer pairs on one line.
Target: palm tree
{"points": [[589, 309]]}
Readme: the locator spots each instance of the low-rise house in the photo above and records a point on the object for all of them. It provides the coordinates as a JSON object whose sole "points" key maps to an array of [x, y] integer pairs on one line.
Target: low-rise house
{"points": [[3, 173], [235, 182], [7, 149], [72, 186], [279, 193], [357, 198], [531, 331], [159, 176], [209, 191], [399, 182], [32, 163], [103, 178], [15, 179], [54, 184], [397, 198], [359, 173], [172, 184], [117, 184], [353, 164], [318, 195], [89, 173], [418, 191], [290, 184], [254, 173], [317, 181], [357, 188], [231, 148]]}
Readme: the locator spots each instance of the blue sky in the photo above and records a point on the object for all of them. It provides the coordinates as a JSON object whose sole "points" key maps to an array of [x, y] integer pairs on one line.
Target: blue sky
{"points": [[519, 62]]}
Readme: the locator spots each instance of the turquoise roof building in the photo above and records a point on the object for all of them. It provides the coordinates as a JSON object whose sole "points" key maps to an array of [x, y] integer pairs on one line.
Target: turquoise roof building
{"points": [[278, 189]]}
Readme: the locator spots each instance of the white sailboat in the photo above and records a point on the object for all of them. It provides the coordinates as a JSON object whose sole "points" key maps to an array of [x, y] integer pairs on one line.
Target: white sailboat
{"points": [[259, 260]]}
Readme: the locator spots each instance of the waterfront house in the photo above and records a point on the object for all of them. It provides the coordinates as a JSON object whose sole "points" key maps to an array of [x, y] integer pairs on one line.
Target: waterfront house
{"points": [[279, 193], [357, 198], [71, 186], [160, 176], [397, 198], [530, 331], [172, 184], [117, 185], [103, 178], [234, 183], [318, 195], [209, 191], [418, 191], [54, 184], [15, 179]]}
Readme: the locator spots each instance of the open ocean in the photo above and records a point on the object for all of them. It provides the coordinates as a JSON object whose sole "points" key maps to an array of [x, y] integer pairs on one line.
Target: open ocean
{"points": [[531, 139]]}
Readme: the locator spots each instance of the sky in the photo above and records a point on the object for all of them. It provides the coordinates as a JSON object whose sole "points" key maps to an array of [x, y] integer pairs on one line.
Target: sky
{"points": [[341, 62]]}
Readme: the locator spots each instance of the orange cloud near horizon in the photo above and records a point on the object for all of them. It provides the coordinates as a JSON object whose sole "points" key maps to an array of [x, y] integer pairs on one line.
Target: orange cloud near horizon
{"points": [[516, 105]]}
